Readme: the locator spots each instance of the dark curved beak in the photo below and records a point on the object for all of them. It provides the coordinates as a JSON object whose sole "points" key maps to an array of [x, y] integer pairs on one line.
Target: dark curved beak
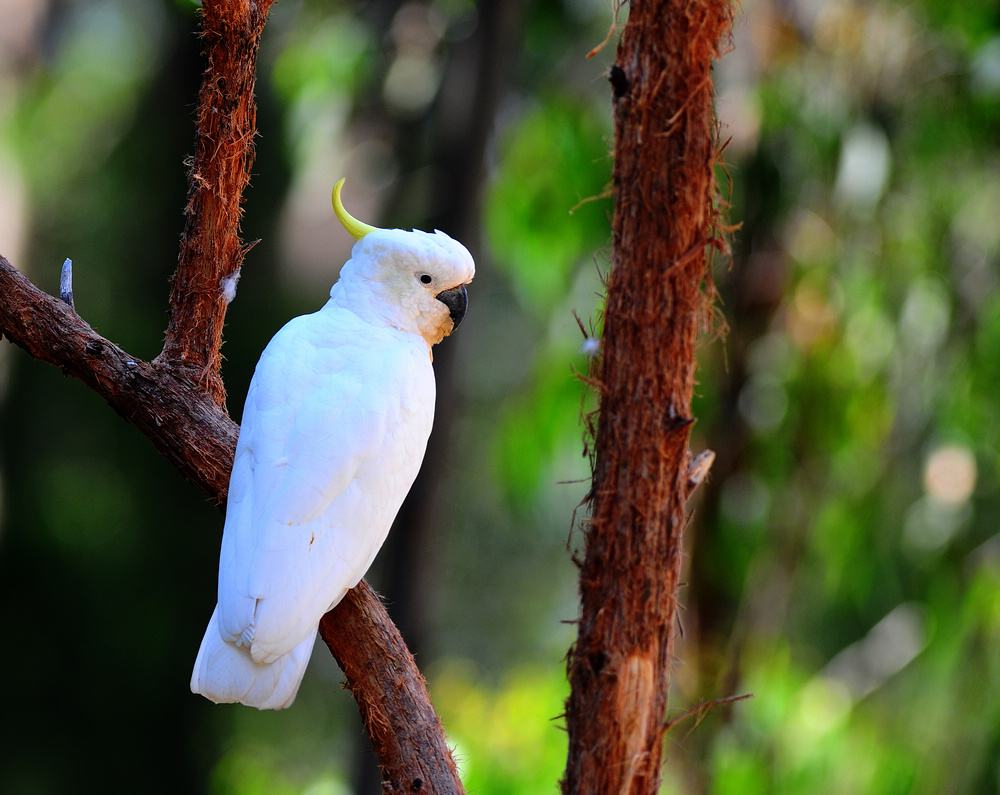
{"points": [[457, 301]]}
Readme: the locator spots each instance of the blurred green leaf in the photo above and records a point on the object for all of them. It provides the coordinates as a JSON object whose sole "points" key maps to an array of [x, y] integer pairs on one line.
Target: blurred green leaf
{"points": [[553, 159]]}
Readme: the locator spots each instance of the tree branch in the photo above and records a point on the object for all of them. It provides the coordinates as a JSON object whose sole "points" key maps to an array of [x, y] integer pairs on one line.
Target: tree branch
{"points": [[619, 669], [391, 694], [191, 431], [187, 427], [211, 251]]}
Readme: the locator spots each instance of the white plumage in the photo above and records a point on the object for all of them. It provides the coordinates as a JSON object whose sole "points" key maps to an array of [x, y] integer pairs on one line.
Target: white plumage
{"points": [[333, 433]]}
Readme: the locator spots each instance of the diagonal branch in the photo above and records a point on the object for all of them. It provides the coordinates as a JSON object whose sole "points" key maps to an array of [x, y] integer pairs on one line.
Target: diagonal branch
{"points": [[183, 423], [191, 431], [211, 252], [391, 694]]}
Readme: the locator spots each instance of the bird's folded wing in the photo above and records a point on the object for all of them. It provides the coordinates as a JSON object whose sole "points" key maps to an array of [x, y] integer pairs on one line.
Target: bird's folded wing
{"points": [[284, 559]]}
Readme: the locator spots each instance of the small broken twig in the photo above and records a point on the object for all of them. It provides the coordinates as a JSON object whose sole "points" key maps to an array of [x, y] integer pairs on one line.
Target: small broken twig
{"points": [[702, 709], [66, 283]]}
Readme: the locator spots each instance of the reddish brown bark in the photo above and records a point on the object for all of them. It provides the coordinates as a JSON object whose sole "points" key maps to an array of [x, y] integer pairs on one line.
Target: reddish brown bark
{"points": [[619, 668], [211, 249], [391, 695], [186, 426], [178, 400]]}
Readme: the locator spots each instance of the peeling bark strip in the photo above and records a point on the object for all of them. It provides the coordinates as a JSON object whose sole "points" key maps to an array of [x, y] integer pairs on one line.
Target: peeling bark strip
{"points": [[619, 669], [211, 249], [199, 438]]}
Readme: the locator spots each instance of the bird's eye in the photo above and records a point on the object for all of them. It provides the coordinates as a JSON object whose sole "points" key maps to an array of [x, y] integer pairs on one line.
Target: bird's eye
{"points": [[425, 278]]}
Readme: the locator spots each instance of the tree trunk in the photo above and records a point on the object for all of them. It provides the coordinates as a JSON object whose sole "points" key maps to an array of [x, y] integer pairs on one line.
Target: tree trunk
{"points": [[659, 295]]}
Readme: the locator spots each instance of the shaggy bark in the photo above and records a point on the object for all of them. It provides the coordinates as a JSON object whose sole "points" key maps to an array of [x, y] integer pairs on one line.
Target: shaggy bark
{"points": [[211, 251], [658, 297], [391, 695], [178, 400]]}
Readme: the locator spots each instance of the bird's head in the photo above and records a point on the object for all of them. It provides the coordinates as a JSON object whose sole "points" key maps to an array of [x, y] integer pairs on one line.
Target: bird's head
{"points": [[412, 280]]}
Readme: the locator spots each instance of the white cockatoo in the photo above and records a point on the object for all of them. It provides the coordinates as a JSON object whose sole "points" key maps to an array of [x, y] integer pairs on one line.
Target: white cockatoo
{"points": [[334, 430]]}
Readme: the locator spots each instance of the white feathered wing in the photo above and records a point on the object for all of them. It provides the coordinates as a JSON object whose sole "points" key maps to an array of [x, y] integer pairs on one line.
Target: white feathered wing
{"points": [[334, 430]]}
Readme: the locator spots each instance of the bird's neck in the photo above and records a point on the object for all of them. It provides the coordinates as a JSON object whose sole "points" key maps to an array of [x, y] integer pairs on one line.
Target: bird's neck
{"points": [[365, 300]]}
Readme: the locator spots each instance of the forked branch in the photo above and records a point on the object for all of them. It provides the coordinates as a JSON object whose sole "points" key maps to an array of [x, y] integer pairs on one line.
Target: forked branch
{"points": [[178, 400]]}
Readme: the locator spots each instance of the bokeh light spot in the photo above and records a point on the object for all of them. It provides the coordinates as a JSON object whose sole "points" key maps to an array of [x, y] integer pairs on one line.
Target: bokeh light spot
{"points": [[950, 474]]}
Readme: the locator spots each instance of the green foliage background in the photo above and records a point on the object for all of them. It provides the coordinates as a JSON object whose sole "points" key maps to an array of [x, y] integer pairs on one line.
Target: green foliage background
{"points": [[844, 557]]}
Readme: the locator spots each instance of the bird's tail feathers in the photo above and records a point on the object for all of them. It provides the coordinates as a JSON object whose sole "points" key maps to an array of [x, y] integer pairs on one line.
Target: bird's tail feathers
{"points": [[225, 673]]}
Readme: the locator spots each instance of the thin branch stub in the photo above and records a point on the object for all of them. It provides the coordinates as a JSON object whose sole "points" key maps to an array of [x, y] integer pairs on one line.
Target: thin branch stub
{"points": [[699, 468], [66, 283]]}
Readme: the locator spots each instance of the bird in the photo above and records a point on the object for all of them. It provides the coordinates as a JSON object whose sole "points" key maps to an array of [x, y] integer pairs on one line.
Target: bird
{"points": [[333, 433]]}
